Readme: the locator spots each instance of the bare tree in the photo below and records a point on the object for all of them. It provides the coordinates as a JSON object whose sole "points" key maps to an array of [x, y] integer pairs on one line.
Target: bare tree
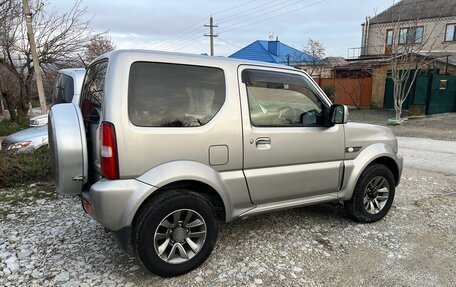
{"points": [[59, 38], [316, 50], [8, 89], [98, 45]]}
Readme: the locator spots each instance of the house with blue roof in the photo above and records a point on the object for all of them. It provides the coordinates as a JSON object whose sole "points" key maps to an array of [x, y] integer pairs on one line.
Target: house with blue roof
{"points": [[273, 51]]}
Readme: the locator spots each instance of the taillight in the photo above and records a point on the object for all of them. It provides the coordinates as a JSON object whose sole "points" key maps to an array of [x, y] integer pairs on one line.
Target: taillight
{"points": [[109, 159]]}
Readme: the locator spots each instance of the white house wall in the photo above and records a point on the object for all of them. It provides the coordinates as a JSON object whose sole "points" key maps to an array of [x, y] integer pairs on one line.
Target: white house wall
{"points": [[433, 37]]}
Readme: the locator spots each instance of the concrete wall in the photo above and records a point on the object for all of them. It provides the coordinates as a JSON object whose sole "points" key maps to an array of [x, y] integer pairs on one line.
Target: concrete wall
{"points": [[433, 38]]}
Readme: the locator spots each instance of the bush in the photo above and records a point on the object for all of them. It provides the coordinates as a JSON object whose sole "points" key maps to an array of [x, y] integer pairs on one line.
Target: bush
{"points": [[24, 167], [7, 128], [330, 91]]}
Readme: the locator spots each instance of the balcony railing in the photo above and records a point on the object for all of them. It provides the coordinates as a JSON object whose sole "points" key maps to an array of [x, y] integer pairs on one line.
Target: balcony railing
{"points": [[369, 52]]}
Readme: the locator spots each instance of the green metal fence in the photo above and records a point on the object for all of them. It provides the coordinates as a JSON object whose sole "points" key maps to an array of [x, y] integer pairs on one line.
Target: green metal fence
{"points": [[433, 92]]}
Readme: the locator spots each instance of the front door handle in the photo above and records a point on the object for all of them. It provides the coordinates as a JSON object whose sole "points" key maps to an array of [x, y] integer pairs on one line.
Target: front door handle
{"points": [[263, 143]]}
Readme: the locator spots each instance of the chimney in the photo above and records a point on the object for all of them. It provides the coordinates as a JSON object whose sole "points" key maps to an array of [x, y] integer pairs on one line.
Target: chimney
{"points": [[274, 46]]}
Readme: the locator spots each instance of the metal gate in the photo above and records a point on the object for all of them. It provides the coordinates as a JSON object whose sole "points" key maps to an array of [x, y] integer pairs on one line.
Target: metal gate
{"points": [[442, 98], [433, 92], [388, 102]]}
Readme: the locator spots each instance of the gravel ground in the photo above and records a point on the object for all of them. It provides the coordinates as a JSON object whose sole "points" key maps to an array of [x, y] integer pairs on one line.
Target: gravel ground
{"points": [[438, 127], [47, 240]]}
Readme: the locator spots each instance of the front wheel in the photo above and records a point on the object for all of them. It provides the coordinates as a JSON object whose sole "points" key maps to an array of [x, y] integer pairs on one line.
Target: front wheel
{"points": [[175, 233], [373, 194]]}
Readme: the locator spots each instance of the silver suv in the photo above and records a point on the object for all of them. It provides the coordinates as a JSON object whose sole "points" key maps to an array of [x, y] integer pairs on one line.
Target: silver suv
{"points": [[163, 147]]}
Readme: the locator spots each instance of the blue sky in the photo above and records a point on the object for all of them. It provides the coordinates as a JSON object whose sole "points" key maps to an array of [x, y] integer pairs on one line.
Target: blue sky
{"points": [[179, 25]]}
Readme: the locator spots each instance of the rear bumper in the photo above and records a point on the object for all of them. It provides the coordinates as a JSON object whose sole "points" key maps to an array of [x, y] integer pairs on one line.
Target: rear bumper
{"points": [[114, 204]]}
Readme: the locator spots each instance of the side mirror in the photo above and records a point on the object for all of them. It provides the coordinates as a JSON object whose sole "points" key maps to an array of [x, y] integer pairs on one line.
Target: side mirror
{"points": [[338, 114]]}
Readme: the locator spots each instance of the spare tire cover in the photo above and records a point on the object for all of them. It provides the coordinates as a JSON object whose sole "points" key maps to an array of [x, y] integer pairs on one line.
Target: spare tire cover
{"points": [[68, 148]]}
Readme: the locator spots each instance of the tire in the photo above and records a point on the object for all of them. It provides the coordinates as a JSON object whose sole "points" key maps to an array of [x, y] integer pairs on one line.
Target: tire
{"points": [[157, 231], [373, 194]]}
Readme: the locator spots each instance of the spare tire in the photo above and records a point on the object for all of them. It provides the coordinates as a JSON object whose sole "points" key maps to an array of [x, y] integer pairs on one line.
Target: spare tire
{"points": [[68, 148]]}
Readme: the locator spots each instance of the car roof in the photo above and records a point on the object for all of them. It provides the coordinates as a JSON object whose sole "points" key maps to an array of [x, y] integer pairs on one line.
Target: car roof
{"points": [[191, 58]]}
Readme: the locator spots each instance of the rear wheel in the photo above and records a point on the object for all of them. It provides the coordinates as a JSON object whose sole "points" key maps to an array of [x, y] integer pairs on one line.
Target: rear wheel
{"points": [[373, 194], [175, 233]]}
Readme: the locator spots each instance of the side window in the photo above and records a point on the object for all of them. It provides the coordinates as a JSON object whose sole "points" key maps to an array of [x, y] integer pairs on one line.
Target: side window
{"points": [[281, 100], [92, 91], [64, 90], [57, 94], [172, 95], [68, 89]]}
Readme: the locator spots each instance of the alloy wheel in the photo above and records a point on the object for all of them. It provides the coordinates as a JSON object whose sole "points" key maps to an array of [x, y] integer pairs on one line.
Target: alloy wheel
{"points": [[180, 236], [376, 194]]}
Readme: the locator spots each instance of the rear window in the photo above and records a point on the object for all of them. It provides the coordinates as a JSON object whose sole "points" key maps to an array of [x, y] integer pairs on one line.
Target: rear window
{"points": [[64, 90], [172, 95], [92, 91]]}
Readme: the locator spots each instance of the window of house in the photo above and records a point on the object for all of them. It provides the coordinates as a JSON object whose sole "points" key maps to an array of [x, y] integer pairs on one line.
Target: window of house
{"points": [[389, 37], [412, 35], [173, 95], [450, 33], [281, 100], [417, 36]]}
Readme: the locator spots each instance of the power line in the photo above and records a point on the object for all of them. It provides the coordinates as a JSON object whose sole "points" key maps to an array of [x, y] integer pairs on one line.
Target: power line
{"points": [[225, 10], [178, 34], [264, 14], [234, 45], [174, 39], [272, 17], [264, 6], [185, 43], [196, 31], [186, 39], [179, 37]]}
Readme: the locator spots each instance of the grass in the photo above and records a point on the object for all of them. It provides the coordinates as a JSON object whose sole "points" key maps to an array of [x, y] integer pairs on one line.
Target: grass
{"points": [[7, 128], [24, 168], [24, 179]]}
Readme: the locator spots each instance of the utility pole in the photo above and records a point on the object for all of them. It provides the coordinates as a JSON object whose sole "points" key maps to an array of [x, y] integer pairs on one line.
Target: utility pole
{"points": [[211, 34], [36, 64]]}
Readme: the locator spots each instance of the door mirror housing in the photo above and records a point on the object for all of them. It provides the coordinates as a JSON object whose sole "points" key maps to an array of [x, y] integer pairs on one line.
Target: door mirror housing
{"points": [[338, 114]]}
